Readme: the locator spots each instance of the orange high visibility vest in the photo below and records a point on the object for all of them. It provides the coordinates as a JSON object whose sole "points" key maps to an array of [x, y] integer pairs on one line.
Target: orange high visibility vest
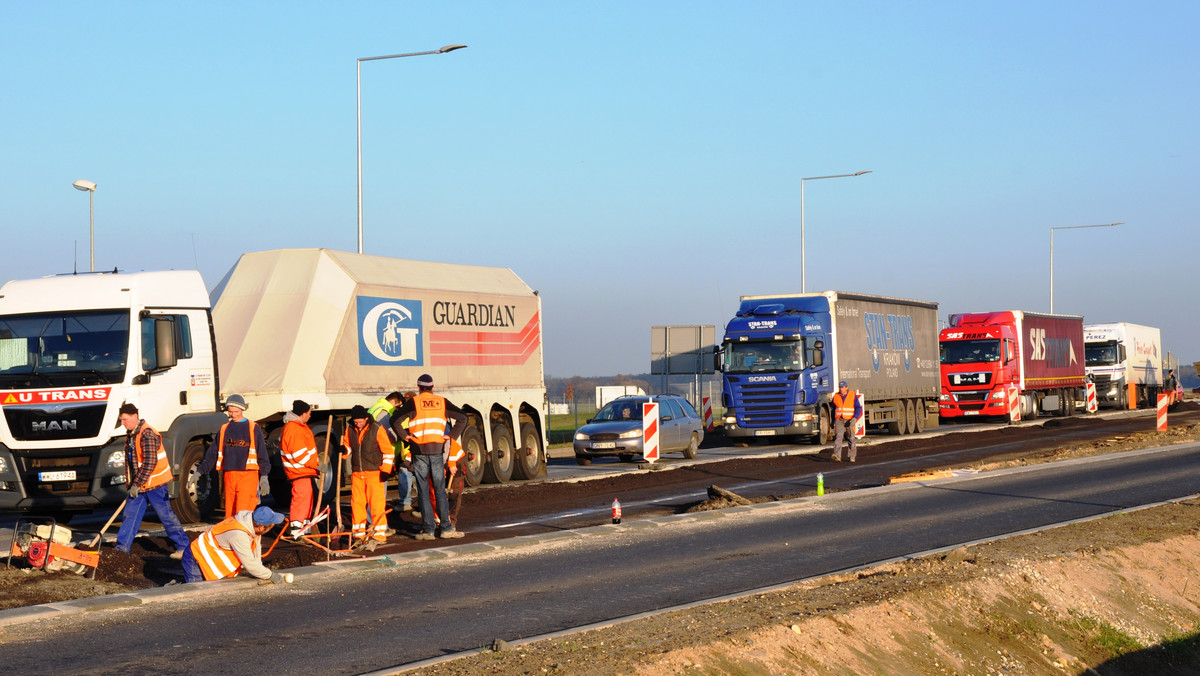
{"points": [[251, 457], [429, 419], [162, 469], [456, 452], [298, 450], [216, 562], [844, 405]]}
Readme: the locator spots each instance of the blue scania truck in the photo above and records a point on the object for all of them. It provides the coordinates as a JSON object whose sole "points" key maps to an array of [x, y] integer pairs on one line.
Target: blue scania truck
{"points": [[783, 356]]}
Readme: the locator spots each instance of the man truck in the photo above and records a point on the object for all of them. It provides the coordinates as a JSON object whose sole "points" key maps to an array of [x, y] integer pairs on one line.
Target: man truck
{"points": [[329, 327], [1120, 356], [1001, 363], [782, 357]]}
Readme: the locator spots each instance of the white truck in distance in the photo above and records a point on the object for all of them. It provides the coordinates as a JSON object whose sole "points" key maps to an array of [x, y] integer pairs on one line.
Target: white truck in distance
{"points": [[1120, 355], [329, 327]]}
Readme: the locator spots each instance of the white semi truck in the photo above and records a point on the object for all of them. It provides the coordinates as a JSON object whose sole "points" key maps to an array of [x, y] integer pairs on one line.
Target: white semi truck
{"points": [[1123, 354], [329, 327]]}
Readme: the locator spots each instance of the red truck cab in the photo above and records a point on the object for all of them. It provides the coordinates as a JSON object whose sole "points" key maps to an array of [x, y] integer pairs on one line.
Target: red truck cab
{"points": [[978, 365]]}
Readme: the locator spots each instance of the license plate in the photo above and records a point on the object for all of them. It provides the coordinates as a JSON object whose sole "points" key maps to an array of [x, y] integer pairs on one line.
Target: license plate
{"points": [[970, 412], [68, 475], [764, 433], [604, 444]]}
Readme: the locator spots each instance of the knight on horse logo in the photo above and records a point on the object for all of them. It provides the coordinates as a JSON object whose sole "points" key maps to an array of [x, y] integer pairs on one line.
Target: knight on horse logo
{"points": [[389, 331]]}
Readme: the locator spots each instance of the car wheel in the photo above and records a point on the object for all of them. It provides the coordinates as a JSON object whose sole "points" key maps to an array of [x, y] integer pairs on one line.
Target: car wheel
{"points": [[499, 466], [693, 445], [198, 494], [583, 460], [530, 460], [473, 455]]}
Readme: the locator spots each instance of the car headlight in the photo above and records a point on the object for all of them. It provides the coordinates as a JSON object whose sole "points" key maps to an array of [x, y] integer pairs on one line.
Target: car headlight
{"points": [[631, 434], [803, 417], [730, 420], [116, 460], [580, 436], [3, 465], [999, 394]]}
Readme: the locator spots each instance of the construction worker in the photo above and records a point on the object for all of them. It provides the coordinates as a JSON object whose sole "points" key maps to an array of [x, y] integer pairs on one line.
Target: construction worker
{"points": [[846, 412], [147, 474], [367, 447], [233, 545], [244, 470], [381, 412], [298, 451], [431, 420], [452, 455]]}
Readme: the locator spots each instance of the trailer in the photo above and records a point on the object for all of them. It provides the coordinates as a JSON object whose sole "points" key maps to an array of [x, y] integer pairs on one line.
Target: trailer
{"points": [[1011, 363], [782, 357], [329, 327], [1125, 362]]}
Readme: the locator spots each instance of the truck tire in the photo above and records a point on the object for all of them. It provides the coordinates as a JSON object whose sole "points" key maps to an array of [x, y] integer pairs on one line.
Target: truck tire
{"points": [[900, 425], [919, 409], [692, 447], [910, 414], [499, 466], [474, 455], [530, 460], [198, 494], [824, 433]]}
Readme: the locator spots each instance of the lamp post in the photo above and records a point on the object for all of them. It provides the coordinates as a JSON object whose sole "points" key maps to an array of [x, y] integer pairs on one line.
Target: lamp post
{"points": [[803, 265], [443, 50], [1068, 227], [90, 189]]}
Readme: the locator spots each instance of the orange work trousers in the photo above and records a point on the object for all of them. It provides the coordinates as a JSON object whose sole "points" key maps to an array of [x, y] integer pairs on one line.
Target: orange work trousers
{"points": [[302, 498], [241, 491], [367, 490]]}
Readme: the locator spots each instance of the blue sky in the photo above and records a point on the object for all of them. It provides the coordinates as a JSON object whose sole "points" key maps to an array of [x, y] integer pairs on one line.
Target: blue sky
{"points": [[638, 163]]}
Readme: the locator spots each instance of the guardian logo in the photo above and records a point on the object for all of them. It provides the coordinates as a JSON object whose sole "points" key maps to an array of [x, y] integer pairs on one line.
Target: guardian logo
{"points": [[389, 332]]}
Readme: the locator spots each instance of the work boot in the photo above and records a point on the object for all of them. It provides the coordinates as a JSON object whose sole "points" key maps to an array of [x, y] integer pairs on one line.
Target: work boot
{"points": [[451, 534], [296, 529], [177, 555], [424, 536]]}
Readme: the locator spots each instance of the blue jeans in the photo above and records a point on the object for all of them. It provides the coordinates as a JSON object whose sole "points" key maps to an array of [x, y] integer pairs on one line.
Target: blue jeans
{"points": [[135, 509], [404, 481], [191, 569], [428, 468]]}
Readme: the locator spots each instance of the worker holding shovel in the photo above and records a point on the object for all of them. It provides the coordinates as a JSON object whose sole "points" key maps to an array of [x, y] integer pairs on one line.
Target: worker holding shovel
{"points": [[147, 475]]}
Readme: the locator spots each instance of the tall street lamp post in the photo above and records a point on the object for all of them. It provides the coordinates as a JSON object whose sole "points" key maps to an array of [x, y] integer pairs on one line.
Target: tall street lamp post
{"points": [[1068, 227], [803, 265], [443, 50], [90, 189]]}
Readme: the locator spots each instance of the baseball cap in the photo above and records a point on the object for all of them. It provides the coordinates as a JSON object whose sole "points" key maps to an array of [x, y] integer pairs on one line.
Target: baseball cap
{"points": [[265, 516], [843, 384]]}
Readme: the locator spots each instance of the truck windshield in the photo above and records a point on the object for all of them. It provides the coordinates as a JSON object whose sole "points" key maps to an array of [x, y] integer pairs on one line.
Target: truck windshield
{"points": [[756, 357], [1102, 354], [63, 349], [970, 351]]}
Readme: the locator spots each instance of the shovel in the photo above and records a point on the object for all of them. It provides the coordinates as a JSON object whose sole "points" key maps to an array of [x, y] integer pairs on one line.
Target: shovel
{"points": [[96, 540]]}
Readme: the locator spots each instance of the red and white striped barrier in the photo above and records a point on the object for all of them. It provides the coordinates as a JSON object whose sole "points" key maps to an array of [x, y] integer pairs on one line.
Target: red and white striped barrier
{"points": [[706, 404], [1014, 403], [1092, 406], [1163, 402], [860, 426], [650, 431]]}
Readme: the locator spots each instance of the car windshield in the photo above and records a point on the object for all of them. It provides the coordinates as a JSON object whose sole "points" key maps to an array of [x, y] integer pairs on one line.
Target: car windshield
{"points": [[970, 351], [775, 356], [63, 349], [620, 410], [1101, 355]]}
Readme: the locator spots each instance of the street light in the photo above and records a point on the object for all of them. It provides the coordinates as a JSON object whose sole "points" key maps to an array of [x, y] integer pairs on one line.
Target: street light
{"points": [[443, 50], [803, 266], [90, 189], [1068, 227]]}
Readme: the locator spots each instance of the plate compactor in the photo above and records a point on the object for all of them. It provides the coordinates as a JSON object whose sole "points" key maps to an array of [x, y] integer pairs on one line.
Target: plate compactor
{"points": [[48, 546]]}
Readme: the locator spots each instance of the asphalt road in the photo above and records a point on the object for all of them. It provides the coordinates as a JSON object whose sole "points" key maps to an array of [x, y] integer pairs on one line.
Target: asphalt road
{"points": [[363, 621]]}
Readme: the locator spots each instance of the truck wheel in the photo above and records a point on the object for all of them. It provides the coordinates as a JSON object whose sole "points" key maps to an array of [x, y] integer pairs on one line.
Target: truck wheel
{"points": [[824, 428], [900, 425], [474, 455], [529, 461], [919, 410], [1123, 399], [693, 445], [198, 494], [910, 415], [499, 466]]}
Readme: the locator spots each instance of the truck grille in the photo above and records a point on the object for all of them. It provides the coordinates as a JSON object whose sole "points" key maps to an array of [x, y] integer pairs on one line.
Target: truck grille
{"points": [[763, 404], [37, 423], [31, 465], [962, 397]]}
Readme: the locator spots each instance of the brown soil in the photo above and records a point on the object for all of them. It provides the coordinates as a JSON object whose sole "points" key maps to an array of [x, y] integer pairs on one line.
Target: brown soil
{"points": [[1075, 595]]}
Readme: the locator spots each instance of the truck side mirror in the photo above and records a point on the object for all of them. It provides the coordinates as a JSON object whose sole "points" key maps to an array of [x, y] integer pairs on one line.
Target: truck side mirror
{"points": [[718, 358], [818, 356], [164, 343]]}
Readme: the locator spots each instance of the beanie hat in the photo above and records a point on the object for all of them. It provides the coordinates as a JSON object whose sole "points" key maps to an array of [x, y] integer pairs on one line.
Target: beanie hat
{"points": [[300, 407], [237, 401], [359, 412], [425, 380]]}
